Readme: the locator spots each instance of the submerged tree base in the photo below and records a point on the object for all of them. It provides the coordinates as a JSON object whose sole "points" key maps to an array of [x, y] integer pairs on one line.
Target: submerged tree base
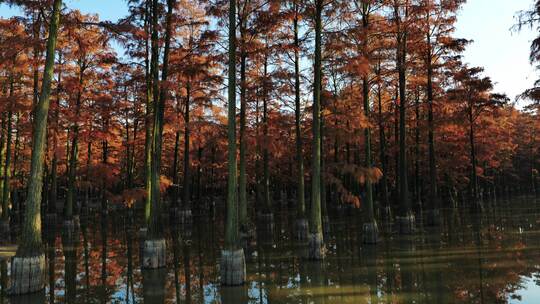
{"points": [[301, 229], [434, 217], [233, 267], [28, 274], [154, 254], [316, 250], [406, 224], [370, 232]]}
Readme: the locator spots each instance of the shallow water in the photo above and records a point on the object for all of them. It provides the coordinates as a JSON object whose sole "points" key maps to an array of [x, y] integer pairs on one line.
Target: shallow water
{"points": [[494, 258]]}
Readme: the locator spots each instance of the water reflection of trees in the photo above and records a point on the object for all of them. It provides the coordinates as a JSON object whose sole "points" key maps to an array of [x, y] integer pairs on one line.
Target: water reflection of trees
{"points": [[466, 260]]}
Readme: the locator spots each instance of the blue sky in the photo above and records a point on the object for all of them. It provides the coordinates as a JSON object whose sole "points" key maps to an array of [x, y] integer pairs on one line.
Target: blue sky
{"points": [[504, 54]]}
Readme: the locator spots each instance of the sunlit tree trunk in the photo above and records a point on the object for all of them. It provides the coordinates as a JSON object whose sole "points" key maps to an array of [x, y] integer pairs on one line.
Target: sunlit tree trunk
{"points": [[30, 259], [154, 250]]}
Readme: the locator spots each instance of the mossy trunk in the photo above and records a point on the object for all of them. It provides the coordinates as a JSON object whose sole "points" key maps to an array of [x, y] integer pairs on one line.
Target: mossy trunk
{"points": [[30, 241]]}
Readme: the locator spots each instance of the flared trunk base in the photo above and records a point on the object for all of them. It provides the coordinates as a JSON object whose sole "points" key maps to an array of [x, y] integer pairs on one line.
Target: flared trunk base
{"points": [[154, 254], [233, 267], [302, 231], [406, 224], [316, 250], [370, 233], [28, 274]]}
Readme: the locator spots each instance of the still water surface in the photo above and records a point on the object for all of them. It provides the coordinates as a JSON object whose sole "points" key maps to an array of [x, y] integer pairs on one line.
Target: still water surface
{"points": [[493, 258]]}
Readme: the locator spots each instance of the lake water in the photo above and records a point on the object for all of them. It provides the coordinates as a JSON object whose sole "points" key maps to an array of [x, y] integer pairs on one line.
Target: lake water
{"points": [[493, 258]]}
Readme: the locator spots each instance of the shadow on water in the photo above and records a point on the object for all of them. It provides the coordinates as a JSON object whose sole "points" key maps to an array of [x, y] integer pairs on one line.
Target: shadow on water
{"points": [[492, 257]]}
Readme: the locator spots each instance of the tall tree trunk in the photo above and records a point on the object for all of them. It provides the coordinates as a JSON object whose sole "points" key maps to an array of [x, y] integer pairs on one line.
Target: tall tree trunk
{"points": [[382, 151], [28, 265], [30, 241], [297, 123], [406, 216], [54, 166], [474, 179], [155, 228], [175, 169], [266, 141], [74, 152], [187, 133], [149, 95], [7, 165], [233, 265], [433, 189], [242, 179], [3, 135], [370, 226], [316, 241], [417, 181]]}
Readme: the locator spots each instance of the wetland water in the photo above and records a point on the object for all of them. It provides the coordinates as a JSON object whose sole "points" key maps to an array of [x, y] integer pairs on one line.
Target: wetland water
{"points": [[493, 258]]}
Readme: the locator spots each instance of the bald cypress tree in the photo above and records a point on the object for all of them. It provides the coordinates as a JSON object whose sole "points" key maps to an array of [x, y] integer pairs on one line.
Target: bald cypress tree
{"points": [[316, 241], [28, 265], [233, 264]]}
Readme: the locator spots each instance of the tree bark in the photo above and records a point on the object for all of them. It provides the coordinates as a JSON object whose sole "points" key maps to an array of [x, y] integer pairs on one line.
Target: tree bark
{"points": [[30, 241]]}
